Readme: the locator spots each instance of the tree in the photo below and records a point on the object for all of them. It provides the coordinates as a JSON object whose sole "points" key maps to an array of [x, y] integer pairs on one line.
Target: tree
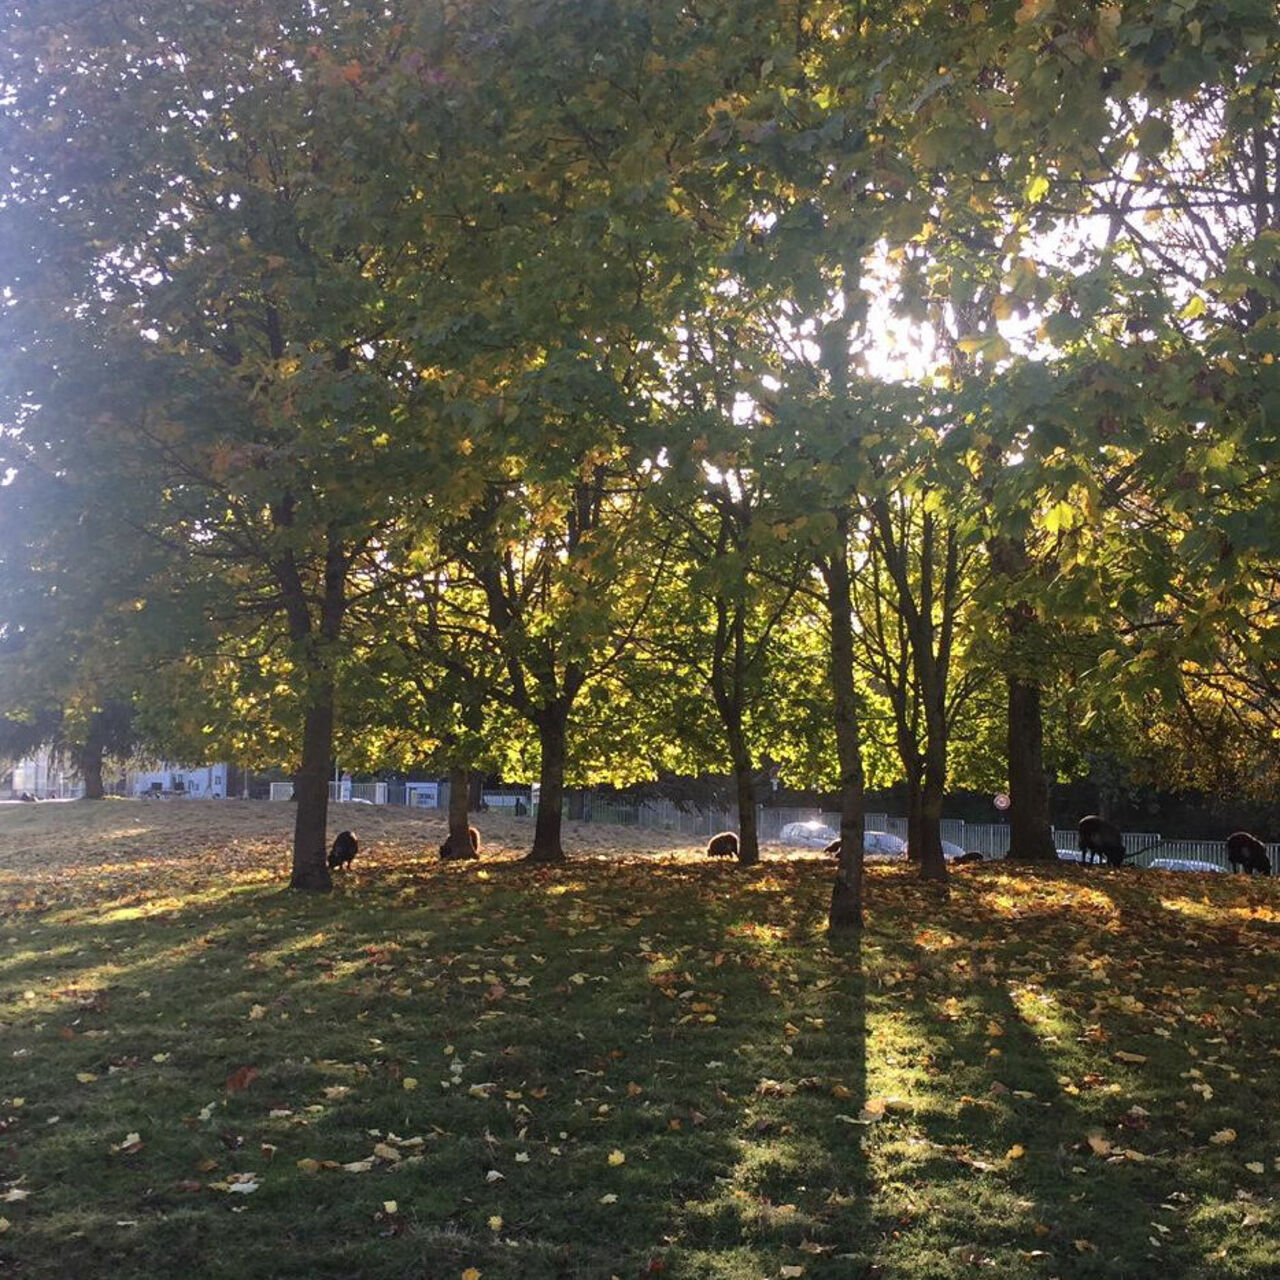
{"points": [[204, 236]]}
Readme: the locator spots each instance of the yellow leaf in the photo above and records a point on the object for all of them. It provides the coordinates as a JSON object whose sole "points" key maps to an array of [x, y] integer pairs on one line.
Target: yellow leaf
{"points": [[873, 1109], [1256, 1166], [1222, 1137], [409, 1083], [308, 1165], [495, 1222], [85, 1077], [617, 1157], [257, 1012], [610, 1198], [471, 1273], [1136, 1058], [1099, 1145], [389, 1206], [1016, 1152]]}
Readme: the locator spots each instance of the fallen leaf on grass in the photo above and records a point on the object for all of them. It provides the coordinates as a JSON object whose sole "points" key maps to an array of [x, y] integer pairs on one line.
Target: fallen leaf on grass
{"points": [[1222, 1137], [471, 1273], [14, 1196], [1137, 1059], [240, 1079], [133, 1142], [617, 1157], [85, 1077]]}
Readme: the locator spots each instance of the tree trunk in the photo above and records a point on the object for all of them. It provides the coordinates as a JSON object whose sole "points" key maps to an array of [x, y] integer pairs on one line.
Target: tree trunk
{"points": [[553, 732], [1030, 828], [311, 791], [748, 834], [846, 893], [915, 811], [458, 845], [475, 791], [89, 762], [933, 862]]}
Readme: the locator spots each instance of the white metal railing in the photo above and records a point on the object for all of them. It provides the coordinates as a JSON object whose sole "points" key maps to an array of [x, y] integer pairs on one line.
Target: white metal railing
{"points": [[368, 792]]}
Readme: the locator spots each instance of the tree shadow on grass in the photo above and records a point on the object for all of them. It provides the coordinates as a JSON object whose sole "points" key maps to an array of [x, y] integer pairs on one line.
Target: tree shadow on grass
{"points": [[1073, 1132], [554, 1077]]}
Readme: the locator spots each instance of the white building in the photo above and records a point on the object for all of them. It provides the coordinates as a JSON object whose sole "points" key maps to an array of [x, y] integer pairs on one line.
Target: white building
{"points": [[172, 779]]}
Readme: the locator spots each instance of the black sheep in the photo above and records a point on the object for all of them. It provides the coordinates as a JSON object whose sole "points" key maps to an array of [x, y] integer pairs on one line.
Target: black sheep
{"points": [[1248, 853], [1100, 838], [724, 845], [345, 848], [473, 835]]}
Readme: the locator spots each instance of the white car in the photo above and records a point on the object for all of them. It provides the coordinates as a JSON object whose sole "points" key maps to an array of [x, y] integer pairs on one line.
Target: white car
{"points": [[1182, 864], [883, 844], [810, 835]]}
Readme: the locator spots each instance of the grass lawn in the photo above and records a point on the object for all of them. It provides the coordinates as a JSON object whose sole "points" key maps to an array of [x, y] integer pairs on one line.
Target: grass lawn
{"points": [[640, 1064]]}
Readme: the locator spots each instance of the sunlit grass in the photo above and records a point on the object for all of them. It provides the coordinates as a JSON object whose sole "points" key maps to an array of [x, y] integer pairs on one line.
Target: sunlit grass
{"points": [[1030, 1078]]}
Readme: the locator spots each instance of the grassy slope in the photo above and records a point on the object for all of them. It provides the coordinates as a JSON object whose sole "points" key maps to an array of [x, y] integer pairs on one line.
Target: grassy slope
{"points": [[639, 1064]]}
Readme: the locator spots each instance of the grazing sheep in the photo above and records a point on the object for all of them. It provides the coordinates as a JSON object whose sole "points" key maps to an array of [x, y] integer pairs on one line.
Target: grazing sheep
{"points": [[446, 851], [833, 847], [345, 848], [1248, 853], [972, 856], [1101, 839], [724, 845]]}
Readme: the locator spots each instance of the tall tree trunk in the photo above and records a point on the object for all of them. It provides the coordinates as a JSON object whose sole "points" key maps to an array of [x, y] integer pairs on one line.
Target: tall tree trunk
{"points": [[748, 834], [915, 810], [89, 763], [553, 733], [845, 911], [1030, 828], [317, 644], [458, 844], [933, 862], [311, 791], [1031, 831]]}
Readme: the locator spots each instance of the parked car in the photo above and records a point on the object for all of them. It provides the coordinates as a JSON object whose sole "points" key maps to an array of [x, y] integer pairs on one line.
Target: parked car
{"points": [[1182, 864], [809, 835], [882, 844]]}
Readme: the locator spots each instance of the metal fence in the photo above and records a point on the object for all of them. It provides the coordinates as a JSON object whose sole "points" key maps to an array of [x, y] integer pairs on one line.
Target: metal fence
{"points": [[364, 792]]}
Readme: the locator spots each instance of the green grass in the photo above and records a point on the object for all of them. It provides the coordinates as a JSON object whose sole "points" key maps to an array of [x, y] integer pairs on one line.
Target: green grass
{"points": [[687, 1016]]}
